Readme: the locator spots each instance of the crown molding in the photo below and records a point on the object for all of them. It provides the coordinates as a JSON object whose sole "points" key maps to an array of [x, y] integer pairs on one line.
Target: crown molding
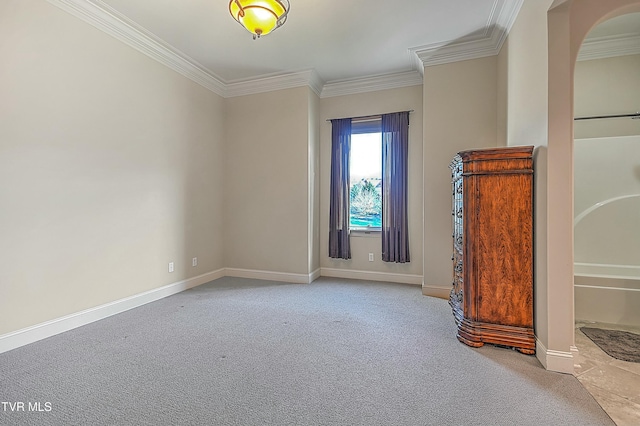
{"points": [[369, 84], [108, 20], [276, 82], [489, 43], [316, 83], [417, 63], [447, 52], [609, 46]]}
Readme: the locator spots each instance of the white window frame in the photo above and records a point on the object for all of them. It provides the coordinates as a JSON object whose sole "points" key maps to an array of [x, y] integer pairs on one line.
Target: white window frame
{"points": [[363, 126]]}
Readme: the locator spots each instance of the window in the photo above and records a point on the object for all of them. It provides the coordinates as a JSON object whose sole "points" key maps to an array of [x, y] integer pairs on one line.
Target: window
{"points": [[365, 192], [354, 207]]}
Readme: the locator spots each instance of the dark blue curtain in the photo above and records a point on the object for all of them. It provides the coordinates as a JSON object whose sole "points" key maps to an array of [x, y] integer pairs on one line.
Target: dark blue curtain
{"points": [[339, 245], [395, 154]]}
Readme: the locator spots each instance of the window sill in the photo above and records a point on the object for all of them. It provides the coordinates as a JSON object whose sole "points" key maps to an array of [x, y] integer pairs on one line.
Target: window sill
{"points": [[365, 233]]}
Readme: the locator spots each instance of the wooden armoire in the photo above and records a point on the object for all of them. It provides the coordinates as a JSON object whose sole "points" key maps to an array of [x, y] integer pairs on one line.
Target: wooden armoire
{"points": [[492, 294]]}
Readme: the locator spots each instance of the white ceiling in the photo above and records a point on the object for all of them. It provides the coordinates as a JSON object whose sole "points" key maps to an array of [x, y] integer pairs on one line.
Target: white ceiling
{"points": [[338, 39], [333, 46]]}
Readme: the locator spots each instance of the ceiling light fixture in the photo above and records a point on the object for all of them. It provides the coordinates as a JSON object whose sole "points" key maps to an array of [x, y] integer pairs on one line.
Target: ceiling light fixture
{"points": [[259, 17]]}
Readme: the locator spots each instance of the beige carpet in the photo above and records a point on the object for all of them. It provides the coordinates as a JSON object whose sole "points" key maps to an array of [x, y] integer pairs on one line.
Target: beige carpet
{"points": [[246, 352]]}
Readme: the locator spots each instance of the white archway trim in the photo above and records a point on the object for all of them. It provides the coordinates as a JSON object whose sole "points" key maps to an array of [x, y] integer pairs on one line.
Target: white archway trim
{"points": [[600, 204]]}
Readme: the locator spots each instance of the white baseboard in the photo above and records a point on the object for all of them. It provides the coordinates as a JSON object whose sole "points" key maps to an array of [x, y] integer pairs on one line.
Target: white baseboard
{"points": [[574, 350], [286, 277], [434, 291], [314, 275], [559, 361], [46, 329], [50, 328], [372, 276]]}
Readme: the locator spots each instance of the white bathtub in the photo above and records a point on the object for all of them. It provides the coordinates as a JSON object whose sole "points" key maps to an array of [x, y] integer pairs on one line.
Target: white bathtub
{"points": [[607, 293]]}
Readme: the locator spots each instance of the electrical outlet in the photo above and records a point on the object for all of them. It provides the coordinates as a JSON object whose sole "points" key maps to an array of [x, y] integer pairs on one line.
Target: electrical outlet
{"points": [[194, 261], [370, 257], [170, 266]]}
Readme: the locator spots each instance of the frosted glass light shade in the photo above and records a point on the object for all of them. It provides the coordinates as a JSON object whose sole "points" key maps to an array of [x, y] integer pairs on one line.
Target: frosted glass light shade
{"points": [[259, 17]]}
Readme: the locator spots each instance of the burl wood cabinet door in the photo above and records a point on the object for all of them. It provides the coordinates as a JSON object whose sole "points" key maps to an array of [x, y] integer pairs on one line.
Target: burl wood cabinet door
{"points": [[492, 295]]}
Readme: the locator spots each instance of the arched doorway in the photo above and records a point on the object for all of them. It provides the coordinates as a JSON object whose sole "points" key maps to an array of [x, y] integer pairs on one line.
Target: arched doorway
{"points": [[606, 209], [606, 174], [569, 21]]}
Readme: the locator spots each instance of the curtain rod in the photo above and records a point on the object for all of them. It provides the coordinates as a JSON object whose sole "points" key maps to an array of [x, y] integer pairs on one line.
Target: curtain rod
{"points": [[364, 117], [596, 117]]}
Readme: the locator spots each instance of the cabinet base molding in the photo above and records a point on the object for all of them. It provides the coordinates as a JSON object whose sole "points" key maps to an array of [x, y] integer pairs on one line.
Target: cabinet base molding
{"points": [[476, 334]]}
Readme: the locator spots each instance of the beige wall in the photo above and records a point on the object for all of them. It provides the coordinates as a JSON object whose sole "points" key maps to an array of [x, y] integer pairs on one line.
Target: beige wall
{"points": [[314, 183], [604, 87], [391, 100], [460, 112], [526, 75], [110, 167], [266, 217], [502, 74], [523, 73]]}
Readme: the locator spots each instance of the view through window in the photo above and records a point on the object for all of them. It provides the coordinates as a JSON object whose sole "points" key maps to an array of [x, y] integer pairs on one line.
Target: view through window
{"points": [[365, 210]]}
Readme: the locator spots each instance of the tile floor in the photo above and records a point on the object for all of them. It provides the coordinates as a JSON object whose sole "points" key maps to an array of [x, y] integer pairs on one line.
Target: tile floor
{"points": [[613, 383]]}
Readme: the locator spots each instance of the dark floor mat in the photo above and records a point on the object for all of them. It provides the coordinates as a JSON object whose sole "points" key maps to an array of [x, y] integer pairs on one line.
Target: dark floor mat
{"points": [[621, 345]]}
